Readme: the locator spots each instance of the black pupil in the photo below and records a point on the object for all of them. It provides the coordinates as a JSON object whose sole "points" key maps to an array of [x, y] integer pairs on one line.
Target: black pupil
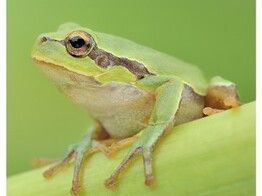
{"points": [[77, 42]]}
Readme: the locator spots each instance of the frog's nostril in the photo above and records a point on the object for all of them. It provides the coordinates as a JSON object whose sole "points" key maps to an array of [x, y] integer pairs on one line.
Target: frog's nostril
{"points": [[43, 39]]}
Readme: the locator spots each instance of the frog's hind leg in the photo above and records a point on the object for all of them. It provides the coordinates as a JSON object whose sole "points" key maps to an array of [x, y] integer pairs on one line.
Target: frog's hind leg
{"points": [[221, 95]]}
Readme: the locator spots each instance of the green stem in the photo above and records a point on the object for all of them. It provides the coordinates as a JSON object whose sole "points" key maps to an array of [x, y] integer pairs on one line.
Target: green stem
{"points": [[211, 156]]}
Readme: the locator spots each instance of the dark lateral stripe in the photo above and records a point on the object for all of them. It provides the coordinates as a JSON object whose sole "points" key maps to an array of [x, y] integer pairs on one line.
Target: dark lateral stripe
{"points": [[105, 59]]}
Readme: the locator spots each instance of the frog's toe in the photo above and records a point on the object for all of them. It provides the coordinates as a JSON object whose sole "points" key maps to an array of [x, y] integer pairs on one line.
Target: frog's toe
{"points": [[38, 162], [111, 181], [148, 169], [59, 165], [231, 102], [118, 144], [210, 111], [76, 188]]}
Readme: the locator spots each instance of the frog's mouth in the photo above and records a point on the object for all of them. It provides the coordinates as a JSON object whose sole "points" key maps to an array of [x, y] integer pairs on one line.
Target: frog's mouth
{"points": [[63, 76]]}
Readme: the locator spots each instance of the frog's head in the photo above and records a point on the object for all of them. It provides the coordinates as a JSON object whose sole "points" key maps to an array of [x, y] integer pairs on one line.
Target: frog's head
{"points": [[80, 51]]}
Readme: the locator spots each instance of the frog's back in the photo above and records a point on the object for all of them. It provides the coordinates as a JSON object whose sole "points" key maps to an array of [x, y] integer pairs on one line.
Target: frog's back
{"points": [[155, 61]]}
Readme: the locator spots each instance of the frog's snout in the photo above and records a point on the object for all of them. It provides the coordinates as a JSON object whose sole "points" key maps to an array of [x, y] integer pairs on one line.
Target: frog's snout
{"points": [[48, 39]]}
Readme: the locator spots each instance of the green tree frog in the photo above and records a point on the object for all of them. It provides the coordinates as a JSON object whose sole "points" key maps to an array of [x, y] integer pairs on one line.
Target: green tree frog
{"points": [[134, 94]]}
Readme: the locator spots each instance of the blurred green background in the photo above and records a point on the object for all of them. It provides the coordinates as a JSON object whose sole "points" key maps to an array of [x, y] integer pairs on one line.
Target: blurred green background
{"points": [[217, 35]]}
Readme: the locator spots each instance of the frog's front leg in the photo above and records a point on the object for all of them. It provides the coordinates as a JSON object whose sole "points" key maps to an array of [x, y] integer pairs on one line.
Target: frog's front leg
{"points": [[78, 152], [89, 144], [168, 97]]}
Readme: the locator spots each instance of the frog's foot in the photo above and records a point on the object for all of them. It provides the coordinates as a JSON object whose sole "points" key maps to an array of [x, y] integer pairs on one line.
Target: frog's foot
{"points": [[80, 152], [229, 102], [77, 152], [221, 95], [144, 145], [147, 157]]}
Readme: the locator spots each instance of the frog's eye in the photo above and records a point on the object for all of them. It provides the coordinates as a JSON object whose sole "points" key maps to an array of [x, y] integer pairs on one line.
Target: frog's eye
{"points": [[79, 43]]}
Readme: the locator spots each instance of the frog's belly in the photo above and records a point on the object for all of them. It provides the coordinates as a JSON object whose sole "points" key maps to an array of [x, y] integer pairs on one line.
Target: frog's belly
{"points": [[122, 109]]}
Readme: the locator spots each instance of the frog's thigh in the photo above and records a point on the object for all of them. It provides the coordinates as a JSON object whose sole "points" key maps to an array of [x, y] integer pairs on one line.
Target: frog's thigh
{"points": [[191, 106], [221, 95], [168, 96]]}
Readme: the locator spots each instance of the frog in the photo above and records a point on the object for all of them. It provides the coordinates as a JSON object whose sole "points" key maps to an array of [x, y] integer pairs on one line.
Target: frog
{"points": [[135, 94]]}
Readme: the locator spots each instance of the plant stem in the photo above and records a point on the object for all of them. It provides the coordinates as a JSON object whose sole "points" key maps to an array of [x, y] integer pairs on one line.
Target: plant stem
{"points": [[211, 156]]}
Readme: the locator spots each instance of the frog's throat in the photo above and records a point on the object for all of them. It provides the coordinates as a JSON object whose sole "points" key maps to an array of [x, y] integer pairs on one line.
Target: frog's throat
{"points": [[105, 59]]}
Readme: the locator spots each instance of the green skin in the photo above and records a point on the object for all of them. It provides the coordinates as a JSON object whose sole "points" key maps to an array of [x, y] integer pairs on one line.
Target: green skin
{"points": [[122, 104]]}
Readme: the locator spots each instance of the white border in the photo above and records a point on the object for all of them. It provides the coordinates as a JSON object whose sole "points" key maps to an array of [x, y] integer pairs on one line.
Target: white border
{"points": [[3, 96], [259, 97]]}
